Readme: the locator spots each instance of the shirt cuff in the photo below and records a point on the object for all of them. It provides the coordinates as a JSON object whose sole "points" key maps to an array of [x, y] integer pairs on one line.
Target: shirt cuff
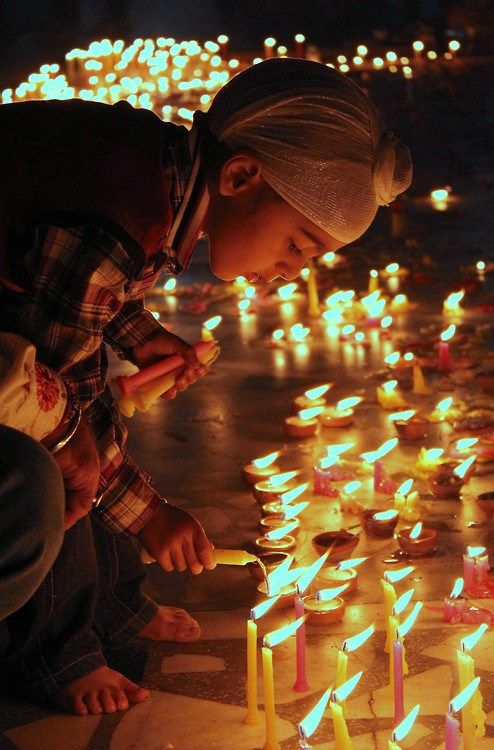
{"points": [[133, 326]]}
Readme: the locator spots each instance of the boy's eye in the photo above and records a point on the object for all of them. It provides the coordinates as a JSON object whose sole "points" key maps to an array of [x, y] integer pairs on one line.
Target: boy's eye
{"points": [[293, 248]]}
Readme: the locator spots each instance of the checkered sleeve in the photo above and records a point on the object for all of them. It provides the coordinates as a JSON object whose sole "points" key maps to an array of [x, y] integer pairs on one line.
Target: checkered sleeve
{"points": [[132, 326]]}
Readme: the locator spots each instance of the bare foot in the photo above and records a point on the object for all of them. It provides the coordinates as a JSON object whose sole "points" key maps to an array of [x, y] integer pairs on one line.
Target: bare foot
{"points": [[171, 624], [101, 691]]}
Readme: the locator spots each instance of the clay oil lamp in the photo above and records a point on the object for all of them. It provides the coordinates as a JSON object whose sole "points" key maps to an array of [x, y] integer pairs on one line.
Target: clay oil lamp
{"points": [[450, 478], [379, 524], [271, 489], [261, 468], [444, 411], [270, 561], [268, 523], [344, 572], [409, 425], [281, 581], [485, 501], [340, 415], [340, 544], [279, 507], [417, 541], [305, 424], [278, 540], [326, 607], [312, 397], [285, 593]]}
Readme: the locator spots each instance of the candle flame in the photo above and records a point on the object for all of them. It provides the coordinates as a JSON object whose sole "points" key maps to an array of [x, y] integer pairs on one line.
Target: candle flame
{"points": [[404, 727], [457, 589], [310, 413], [278, 636], [383, 450], [351, 563], [298, 332], [448, 333], [452, 302], [444, 404], [329, 257], [278, 334], [392, 268], [169, 285], [353, 643], [278, 479], [244, 304], [386, 321], [369, 299], [292, 511], [402, 603], [348, 403], [393, 576], [464, 443], [351, 487], [392, 358], [326, 461], [338, 448], [416, 531], [389, 386], [402, 415], [286, 291], [308, 576], [261, 609], [406, 625], [430, 454], [461, 700], [276, 534], [405, 488], [385, 515], [462, 468], [319, 391], [347, 330], [290, 495], [309, 724], [471, 640], [265, 461], [326, 595], [341, 693], [275, 579], [408, 356], [475, 551], [440, 194]]}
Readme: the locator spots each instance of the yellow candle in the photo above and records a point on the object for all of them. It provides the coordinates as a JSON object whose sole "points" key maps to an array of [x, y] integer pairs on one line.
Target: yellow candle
{"points": [[252, 716], [314, 307], [341, 668], [388, 398], [342, 739], [389, 602], [233, 557], [419, 385], [269, 705], [472, 714], [393, 746]]}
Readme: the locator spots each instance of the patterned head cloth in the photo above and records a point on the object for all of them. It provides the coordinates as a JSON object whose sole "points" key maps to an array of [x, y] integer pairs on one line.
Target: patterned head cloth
{"points": [[321, 141]]}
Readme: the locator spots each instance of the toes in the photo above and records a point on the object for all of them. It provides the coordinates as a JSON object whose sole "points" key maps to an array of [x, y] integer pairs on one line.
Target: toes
{"points": [[91, 700], [121, 700], [107, 701], [134, 693], [79, 707]]}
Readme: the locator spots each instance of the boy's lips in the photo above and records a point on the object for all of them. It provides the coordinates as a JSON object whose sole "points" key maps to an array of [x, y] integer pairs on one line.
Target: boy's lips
{"points": [[253, 277]]}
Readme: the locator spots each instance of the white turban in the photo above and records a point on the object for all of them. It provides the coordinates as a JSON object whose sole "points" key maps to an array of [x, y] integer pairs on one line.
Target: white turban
{"points": [[320, 139]]}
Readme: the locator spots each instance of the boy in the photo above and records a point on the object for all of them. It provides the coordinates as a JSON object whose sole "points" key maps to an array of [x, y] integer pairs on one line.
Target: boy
{"points": [[291, 161]]}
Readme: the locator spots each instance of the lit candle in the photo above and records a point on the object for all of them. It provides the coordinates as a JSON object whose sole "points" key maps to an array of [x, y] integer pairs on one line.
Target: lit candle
{"points": [[444, 411], [445, 363], [313, 397], [309, 724], [440, 198], [270, 640], [373, 281], [398, 661], [452, 733], [305, 424], [261, 468], [388, 397], [451, 305], [372, 457], [472, 714], [299, 45], [314, 307], [406, 502], [420, 387], [340, 415], [349, 645], [208, 326], [301, 684], [252, 716], [401, 731], [476, 566], [342, 739], [389, 578], [400, 304], [453, 607], [298, 332], [269, 45], [272, 489]]}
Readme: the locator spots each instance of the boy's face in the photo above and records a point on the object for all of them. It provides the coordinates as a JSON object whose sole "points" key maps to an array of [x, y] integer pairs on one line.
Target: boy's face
{"points": [[256, 234]]}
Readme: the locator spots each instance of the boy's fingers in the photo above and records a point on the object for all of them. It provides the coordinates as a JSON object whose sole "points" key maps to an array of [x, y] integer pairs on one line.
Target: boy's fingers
{"points": [[178, 559], [193, 562]]}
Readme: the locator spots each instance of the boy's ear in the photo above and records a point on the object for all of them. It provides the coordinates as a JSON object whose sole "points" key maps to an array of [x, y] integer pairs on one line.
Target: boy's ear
{"points": [[239, 174]]}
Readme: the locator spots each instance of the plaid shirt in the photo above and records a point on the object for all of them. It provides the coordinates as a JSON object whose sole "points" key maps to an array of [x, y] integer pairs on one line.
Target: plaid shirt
{"points": [[85, 291]]}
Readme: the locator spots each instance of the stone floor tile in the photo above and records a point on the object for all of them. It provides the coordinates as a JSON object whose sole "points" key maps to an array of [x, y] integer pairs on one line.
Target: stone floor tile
{"points": [[179, 663], [57, 732]]}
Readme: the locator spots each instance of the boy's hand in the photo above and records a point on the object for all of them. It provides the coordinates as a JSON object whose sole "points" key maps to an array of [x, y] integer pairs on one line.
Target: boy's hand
{"points": [[79, 463], [163, 345], [177, 541]]}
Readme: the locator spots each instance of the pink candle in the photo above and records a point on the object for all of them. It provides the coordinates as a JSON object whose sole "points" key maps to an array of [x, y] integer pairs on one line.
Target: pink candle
{"points": [[444, 357], [323, 482], [301, 684], [128, 383], [468, 572], [454, 609], [452, 736], [398, 680]]}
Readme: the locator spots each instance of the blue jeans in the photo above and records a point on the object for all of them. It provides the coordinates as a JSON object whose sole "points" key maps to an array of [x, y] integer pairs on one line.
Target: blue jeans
{"points": [[89, 598]]}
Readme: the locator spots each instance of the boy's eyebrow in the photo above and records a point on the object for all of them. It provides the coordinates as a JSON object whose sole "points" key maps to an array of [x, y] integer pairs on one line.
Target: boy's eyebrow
{"points": [[313, 238]]}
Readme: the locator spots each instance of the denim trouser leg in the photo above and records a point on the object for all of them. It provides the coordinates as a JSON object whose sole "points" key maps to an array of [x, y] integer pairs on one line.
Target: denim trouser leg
{"points": [[121, 611], [32, 502]]}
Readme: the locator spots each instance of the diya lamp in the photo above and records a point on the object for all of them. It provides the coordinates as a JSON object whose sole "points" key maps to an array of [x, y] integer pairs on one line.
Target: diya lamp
{"points": [[208, 326], [453, 607], [305, 424], [336, 544], [409, 425], [326, 607], [451, 305], [462, 448], [452, 727], [278, 540], [268, 523], [445, 362], [388, 397], [443, 411], [404, 727], [379, 524], [279, 507], [428, 461], [261, 468], [285, 587], [312, 397], [417, 541], [268, 561], [450, 477], [344, 572], [271, 489], [340, 415]]}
